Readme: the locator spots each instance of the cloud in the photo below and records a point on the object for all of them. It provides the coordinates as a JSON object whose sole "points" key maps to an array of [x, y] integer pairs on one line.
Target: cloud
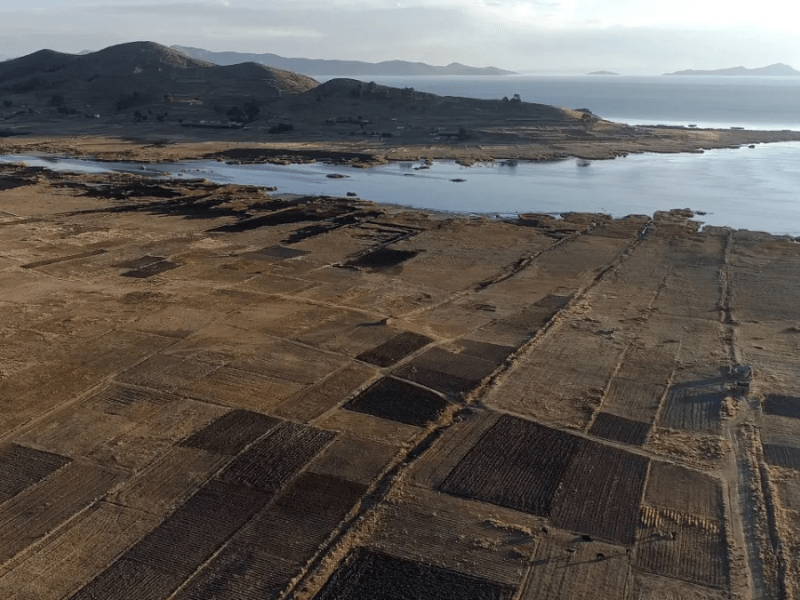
{"points": [[516, 34]]}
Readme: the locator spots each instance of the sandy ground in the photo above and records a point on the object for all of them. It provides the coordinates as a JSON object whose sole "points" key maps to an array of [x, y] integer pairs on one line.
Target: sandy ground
{"points": [[318, 141], [210, 393]]}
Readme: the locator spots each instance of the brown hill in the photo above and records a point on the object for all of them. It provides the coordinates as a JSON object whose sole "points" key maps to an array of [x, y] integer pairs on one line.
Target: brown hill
{"points": [[155, 90], [43, 61], [138, 74], [346, 96]]}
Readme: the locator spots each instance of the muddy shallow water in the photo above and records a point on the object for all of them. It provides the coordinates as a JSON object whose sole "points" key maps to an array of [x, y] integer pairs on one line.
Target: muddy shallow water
{"points": [[745, 188]]}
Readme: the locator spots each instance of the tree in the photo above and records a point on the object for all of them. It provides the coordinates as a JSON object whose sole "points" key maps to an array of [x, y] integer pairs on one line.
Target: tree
{"points": [[251, 111], [236, 114], [281, 128]]}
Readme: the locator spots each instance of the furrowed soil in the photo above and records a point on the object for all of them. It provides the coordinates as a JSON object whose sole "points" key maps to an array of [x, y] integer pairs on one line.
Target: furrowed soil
{"points": [[210, 393]]}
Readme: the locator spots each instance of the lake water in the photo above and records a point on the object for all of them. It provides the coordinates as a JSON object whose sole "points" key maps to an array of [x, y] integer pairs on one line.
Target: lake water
{"points": [[750, 102], [754, 189], [757, 189]]}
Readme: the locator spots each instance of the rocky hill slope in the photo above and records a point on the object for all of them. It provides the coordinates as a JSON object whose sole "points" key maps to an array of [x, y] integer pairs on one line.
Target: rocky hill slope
{"points": [[137, 74]]}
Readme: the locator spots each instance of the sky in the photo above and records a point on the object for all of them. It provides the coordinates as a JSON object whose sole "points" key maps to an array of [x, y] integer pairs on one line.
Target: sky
{"points": [[569, 36]]}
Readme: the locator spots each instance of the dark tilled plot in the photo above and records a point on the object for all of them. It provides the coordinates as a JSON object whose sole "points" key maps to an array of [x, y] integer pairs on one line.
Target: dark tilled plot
{"points": [[678, 545], [619, 429], [445, 371], [399, 401], [22, 467], [264, 557], [601, 493], [783, 406], [272, 461], [693, 407], [281, 217], [436, 380], [394, 349], [383, 258], [782, 456], [302, 517], [130, 580], [188, 537], [516, 464], [240, 572], [494, 353], [367, 575], [151, 269], [231, 433]]}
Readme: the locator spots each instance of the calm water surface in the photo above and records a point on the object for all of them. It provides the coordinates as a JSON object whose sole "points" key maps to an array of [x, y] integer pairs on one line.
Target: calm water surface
{"points": [[757, 189]]}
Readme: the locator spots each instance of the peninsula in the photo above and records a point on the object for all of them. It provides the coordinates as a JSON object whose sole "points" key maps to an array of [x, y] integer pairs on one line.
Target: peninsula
{"points": [[776, 70], [147, 102]]}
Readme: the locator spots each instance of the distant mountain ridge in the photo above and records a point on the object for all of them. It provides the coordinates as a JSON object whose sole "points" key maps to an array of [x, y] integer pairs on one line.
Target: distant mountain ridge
{"points": [[336, 68], [778, 69]]}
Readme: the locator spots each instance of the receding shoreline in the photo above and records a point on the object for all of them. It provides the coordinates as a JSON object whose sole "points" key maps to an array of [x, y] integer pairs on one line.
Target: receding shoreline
{"points": [[608, 141]]}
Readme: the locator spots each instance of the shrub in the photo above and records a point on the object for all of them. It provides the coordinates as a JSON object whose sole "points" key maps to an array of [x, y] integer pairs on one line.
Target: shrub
{"points": [[236, 114], [251, 111], [281, 128], [25, 87], [134, 99]]}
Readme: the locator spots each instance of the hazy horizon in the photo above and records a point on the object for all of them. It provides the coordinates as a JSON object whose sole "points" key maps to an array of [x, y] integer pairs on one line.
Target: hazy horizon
{"points": [[527, 36]]}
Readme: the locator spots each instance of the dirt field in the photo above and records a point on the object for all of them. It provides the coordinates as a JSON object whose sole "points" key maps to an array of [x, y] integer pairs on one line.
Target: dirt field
{"points": [[208, 393]]}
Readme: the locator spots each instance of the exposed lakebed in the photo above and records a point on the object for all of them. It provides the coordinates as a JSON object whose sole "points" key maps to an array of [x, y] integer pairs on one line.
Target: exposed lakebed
{"points": [[746, 188]]}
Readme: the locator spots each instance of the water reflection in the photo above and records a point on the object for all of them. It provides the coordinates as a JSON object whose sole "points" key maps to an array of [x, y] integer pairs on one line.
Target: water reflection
{"points": [[743, 188]]}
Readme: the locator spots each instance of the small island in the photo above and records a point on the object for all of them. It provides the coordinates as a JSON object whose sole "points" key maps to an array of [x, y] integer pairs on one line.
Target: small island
{"points": [[602, 73]]}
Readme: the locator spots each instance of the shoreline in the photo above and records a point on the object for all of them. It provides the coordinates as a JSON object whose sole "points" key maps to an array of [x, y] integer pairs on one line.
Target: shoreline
{"points": [[605, 141], [727, 206], [489, 179], [548, 219]]}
